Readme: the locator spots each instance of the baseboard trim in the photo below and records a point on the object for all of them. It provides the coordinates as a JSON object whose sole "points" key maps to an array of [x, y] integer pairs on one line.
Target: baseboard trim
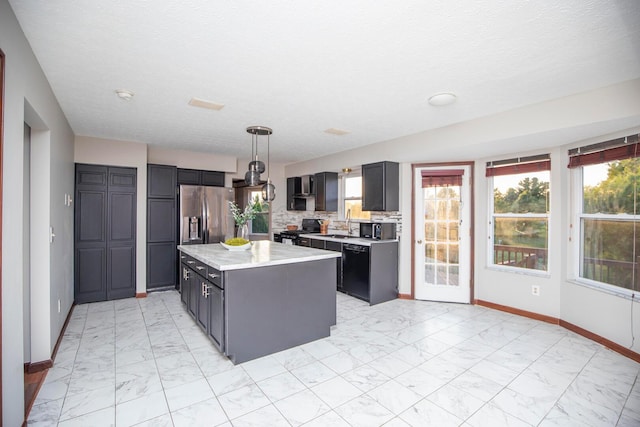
{"points": [[64, 328], [570, 326], [601, 340], [32, 368], [524, 313], [405, 296], [141, 294]]}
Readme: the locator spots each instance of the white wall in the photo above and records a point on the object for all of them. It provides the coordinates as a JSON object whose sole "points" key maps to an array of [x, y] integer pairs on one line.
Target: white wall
{"points": [[548, 127], [126, 154], [28, 98]]}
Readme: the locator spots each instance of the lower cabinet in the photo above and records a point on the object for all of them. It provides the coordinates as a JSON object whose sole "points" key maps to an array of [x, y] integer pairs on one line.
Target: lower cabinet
{"points": [[202, 293]]}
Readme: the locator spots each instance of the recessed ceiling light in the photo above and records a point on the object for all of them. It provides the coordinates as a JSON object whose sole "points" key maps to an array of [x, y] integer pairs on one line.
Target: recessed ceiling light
{"points": [[339, 132], [442, 99], [124, 94], [210, 105]]}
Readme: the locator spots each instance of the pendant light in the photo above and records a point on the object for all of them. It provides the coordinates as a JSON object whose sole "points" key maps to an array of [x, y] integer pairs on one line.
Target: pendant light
{"points": [[256, 167]]}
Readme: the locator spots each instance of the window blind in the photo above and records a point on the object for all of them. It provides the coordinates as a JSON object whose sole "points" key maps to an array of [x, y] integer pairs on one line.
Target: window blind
{"points": [[519, 165], [608, 151], [441, 178]]}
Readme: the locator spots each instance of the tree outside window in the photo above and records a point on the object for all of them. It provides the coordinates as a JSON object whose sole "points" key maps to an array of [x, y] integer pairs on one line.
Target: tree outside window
{"points": [[259, 224], [609, 240], [520, 220]]}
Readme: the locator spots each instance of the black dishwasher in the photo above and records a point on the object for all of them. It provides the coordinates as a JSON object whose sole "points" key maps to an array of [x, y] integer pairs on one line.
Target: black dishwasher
{"points": [[355, 270]]}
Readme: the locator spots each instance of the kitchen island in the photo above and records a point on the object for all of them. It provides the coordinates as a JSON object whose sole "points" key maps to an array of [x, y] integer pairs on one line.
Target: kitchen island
{"points": [[256, 302]]}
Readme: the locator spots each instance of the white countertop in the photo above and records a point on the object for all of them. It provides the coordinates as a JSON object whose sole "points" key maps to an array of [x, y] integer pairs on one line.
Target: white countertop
{"points": [[352, 240], [261, 254]]}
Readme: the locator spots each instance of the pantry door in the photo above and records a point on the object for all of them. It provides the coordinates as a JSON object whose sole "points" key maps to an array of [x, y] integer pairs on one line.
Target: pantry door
{"points": [[442, 233]]}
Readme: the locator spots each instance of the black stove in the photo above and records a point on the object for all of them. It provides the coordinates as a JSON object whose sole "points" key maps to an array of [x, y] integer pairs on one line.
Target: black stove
{"points": [[309, 226]]}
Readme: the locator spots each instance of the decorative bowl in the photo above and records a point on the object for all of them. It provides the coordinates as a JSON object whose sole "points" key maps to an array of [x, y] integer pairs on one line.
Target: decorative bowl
{"points": [[292, 227], [236, 248]]}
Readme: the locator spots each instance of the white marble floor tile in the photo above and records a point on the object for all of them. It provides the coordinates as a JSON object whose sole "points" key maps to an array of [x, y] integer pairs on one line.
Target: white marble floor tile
{"points": [[102, 418], [457, 401], [203, 414], [52, 390], [267, 416], [242, 401], [89, 401], [301, 407], [329, 419], [135, 380], [341, 362], [211, 361], [366, 378], [394, 396], [161, 421], [495, 372], [45, 414], [280, 386], [527, 408], [364, 411], [336, 391], [178, 369], [476, 385], [313, 373], [390, 365], [187, 394], [230, 380], [420, 381], [142, 409], [294, 358], [320, 349], [427, 413], [441, 367], [264, 367], [491, 416]]}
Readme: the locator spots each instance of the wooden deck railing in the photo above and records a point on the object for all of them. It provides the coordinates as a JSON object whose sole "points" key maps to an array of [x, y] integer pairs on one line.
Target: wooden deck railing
{"points": [[519, 256]]}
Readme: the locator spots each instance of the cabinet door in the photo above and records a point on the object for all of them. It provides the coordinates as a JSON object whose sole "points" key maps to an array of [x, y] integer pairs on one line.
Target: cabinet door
{"points": [[161, 181], [380, 186], [212, 178], [184, 285], [326, 188], [194, 283], [202, 315], [317, 243], [216, 316], [304, 241], [189, 177]]}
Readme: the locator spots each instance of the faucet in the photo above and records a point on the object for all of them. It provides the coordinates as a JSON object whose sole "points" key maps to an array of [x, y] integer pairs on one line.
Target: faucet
{"points": [[349, 221]]}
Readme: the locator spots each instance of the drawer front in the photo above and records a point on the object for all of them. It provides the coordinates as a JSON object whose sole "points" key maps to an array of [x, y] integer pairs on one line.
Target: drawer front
{"points": [[197, 266], [215, 277]]}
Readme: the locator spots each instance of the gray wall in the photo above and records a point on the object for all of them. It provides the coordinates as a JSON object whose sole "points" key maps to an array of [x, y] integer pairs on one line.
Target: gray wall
{"points": [[28, 98]]}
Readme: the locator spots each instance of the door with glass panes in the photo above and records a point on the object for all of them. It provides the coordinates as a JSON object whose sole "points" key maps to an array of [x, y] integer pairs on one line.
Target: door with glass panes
{"points": [[442, 233]]}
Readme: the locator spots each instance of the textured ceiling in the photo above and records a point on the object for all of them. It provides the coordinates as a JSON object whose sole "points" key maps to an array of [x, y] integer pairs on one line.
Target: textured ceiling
{"points": [[301, 67]]}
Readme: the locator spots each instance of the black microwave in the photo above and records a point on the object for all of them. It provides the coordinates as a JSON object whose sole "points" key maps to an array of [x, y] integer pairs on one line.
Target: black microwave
{"points": [[378, 230]]}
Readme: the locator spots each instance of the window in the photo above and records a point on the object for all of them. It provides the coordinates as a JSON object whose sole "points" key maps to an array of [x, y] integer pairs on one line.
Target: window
{"points": [[519, 232], [259, 224], [607, 180], [352, 197]]}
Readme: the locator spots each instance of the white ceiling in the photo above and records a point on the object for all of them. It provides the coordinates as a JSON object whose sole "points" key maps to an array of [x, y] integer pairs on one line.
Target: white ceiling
{"points": [[301, 67]]}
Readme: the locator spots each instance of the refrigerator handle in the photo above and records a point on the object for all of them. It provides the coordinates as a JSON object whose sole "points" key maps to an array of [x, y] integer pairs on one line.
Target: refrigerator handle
{"points": [[205, 220]]}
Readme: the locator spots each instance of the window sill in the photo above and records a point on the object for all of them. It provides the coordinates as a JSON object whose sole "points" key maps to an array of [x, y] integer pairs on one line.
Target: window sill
{"points": [[627, 294], [522, 271]]}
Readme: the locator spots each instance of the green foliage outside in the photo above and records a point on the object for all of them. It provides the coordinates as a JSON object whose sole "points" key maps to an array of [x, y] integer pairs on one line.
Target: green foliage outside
{"points": [[611, 247], [260, 223]]}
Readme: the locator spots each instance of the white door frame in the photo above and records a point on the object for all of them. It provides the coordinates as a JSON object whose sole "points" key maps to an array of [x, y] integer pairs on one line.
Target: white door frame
{"points": [[469, 169]]}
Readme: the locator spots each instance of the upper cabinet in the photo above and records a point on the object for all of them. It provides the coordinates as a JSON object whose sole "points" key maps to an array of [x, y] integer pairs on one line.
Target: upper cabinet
{"points": [[326, 189], [161, 181], [380, 186], [200, 177], [294, 202]]}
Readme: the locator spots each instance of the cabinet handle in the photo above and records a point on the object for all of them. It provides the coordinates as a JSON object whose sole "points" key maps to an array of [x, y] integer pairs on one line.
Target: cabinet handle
{"points": [[199, 267], [191, 262], [206, 290], [214, 276], [182, 257]]}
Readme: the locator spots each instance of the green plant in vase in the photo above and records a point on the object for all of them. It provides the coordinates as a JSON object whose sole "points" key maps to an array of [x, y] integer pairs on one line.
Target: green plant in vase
{"points": [[241, 218]]}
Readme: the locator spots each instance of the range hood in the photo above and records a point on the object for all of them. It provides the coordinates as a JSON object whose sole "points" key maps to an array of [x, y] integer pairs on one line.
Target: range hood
{"points": [[303, 186]]}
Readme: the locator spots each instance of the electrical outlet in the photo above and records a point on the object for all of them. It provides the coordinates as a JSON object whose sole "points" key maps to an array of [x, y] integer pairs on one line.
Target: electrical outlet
{"points": [[535, 290]]}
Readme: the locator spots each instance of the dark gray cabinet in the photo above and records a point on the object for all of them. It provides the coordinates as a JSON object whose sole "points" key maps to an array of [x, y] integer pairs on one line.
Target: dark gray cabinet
{"points": [[104, 233], [161, 226], [200, 177], [380, 186], [202, 293], [295, 203], [326, 191], [371, 275]]}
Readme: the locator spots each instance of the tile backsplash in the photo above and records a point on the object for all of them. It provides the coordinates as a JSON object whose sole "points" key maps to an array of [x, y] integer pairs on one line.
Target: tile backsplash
{"points": [[281, 219]]}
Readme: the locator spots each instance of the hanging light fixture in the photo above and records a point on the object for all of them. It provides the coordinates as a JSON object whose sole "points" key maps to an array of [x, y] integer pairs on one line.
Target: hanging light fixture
{"points": [[256, 167]]}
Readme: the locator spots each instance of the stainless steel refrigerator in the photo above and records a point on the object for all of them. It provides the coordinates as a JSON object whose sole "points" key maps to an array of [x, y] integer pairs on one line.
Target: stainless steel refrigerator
{"points": [[205, 216]]}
